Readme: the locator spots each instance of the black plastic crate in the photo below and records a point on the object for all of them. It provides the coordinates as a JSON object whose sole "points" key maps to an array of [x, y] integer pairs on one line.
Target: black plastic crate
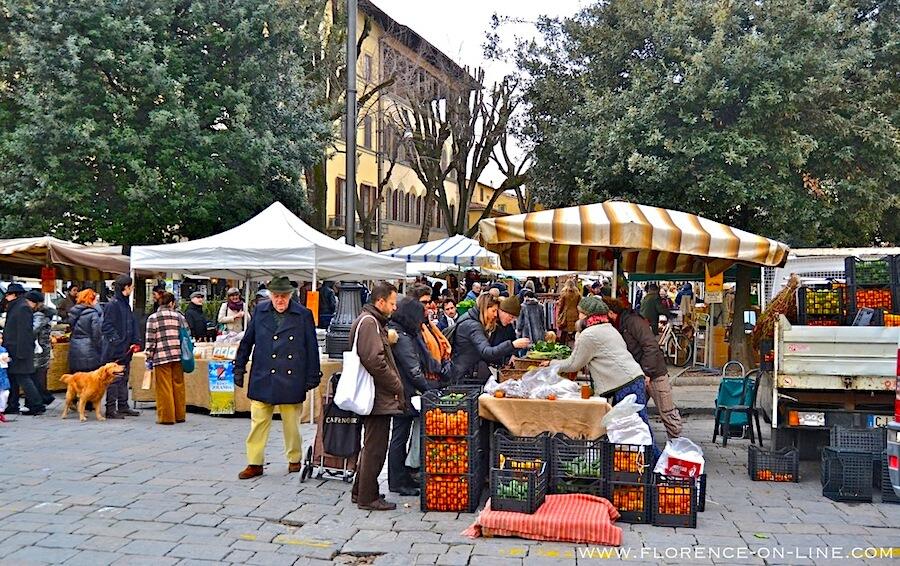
{"points": [[884, 300], [767, 355], [443, 415], [521, 491], [521, 449], [887, 490], [812, 303], [773, 465], [846, 474], [448, 492], [632, 500], [628, 463], [895, 270], [875, 272], [872, 440], [579, 485], [573, 459], [450, 454], [674, 501]]}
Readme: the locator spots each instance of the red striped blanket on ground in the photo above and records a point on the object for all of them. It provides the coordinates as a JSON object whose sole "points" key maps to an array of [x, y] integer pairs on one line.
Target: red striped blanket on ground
{"points": [[567, 518]]}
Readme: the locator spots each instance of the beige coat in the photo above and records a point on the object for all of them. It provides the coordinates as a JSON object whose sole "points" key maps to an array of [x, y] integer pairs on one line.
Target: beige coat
{"points": [[602, 350], [231, 322], [567, 311]]}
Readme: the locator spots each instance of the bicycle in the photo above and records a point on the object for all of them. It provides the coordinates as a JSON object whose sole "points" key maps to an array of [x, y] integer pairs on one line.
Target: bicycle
{"points": [[677, 344]]}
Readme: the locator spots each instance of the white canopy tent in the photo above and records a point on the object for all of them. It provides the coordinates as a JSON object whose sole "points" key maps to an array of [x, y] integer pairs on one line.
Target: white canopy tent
{"points": [[274, 242], [457, 250]]}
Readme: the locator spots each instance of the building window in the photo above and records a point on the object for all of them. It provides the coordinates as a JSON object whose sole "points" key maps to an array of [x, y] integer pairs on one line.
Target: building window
{"points": [[367, 68], [367, 199], [501, 207], [340, 185], [438, 216], [419, 210], [452, 219], [395, 205], [367, 132]]}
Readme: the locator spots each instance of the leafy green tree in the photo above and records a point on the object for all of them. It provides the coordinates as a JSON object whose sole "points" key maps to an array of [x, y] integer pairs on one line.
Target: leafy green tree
{"points": [[780, 117], [137, 121]]}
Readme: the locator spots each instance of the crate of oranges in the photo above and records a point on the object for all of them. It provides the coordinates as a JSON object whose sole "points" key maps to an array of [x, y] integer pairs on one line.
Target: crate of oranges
{"points": [[631, 500], [460, 493], [628, 463], [891, 319], [674, 501], [873, 299], [449, 455], [450, 412], [773, 465]]}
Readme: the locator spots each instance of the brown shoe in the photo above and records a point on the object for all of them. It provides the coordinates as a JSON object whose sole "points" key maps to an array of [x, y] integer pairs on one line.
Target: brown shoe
{"points": [[250, 471], [379, 505], [353, 498], [294, 467]]}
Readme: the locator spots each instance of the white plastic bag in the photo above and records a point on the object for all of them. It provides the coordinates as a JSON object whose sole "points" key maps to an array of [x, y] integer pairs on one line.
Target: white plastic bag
{"points": [[625, 426], [491, 385], [355, 390], [681, 457]]}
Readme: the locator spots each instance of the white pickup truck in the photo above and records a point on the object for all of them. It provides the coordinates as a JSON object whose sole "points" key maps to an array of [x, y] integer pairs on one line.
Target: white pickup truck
{"points": [[893, 434], [828, 376]]}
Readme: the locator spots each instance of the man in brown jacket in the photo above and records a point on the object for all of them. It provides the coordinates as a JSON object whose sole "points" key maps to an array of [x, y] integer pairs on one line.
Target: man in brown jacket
{"points": [[375, 354], [644, 348]]}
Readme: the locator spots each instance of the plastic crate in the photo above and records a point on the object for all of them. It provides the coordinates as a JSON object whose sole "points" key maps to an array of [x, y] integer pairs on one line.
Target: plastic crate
{"points": [[632, 500], [628, 463], [573, 459], [887, 490], [819, 302], [528, 489], [442, 416], [871, 440], [847, 474], [768, 465], [767, 355], [860, 272], [446, 492], [450, 455], [877, 298], [701, 493], [674, 501], [579, 485], [522, 449]]}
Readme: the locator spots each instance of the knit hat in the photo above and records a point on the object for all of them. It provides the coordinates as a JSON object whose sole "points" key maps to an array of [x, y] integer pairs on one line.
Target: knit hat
{"points": [[34, 296], [592, 305], [280, 284], [511, 305]]}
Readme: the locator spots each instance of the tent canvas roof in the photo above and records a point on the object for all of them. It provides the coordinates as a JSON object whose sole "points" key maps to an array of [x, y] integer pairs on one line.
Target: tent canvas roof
{"points": [[457, 250], [25, 257], [274, 242]]}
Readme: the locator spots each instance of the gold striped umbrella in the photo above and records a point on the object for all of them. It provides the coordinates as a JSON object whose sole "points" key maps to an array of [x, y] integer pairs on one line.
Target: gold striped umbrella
{"points": [[24, 257], [645, 239]]}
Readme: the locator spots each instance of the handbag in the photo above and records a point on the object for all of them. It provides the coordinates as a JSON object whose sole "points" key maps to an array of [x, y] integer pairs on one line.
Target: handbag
{"points": [[356, 388], [187, 350], [341, 432]]}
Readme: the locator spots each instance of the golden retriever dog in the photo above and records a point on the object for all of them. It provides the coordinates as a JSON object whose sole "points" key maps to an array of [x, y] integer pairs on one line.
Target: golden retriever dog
{"points": [[89, 386]]}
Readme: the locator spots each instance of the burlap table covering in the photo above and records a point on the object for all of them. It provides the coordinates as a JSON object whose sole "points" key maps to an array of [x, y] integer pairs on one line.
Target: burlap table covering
{"points": [[578, 418], [197, 386]]}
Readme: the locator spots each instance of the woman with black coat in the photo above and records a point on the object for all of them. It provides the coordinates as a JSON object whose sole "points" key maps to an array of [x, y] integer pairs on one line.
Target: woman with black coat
{"points": [[472, 349], [85, 320], [413, 361]]}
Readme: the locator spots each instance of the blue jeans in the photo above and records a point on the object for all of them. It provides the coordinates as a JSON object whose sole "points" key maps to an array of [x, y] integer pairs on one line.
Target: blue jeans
{"points": [[639, 389]]}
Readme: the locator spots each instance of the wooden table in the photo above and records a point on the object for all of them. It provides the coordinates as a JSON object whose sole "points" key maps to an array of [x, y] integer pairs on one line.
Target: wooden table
{"points": [[578, 418], [197, 386]]}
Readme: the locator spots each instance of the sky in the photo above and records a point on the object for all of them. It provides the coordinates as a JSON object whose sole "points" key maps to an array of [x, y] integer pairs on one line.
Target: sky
{"points": [[458, 28]]}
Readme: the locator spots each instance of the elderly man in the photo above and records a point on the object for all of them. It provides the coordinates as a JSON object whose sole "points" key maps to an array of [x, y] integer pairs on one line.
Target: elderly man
{"points": [[281, 335], [371, 337], [196, 318], [475, 291], [18, 339]]}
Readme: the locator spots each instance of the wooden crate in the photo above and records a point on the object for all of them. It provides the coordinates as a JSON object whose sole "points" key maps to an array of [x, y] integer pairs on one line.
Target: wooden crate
{"points": [[59, 365]]}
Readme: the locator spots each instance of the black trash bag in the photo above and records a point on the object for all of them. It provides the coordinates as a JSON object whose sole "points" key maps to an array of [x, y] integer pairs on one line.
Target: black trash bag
{"points": [[341, 432]]}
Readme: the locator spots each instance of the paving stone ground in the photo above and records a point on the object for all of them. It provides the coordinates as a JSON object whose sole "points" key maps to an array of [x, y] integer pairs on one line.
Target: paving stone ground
{"points": [[132, 492]]}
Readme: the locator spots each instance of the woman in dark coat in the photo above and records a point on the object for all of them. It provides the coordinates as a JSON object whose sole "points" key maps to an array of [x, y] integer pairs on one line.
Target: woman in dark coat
{"points": [[84, 345], [472, 349], [413, 362]]}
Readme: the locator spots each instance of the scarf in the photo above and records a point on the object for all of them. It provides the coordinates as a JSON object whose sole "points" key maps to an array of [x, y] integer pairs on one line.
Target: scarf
{"points": [[437, 348], [596, 319], [235, 306]]}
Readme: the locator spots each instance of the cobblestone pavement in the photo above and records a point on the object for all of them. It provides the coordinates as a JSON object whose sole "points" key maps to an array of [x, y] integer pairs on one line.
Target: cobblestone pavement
{"points": [[132, 492]]}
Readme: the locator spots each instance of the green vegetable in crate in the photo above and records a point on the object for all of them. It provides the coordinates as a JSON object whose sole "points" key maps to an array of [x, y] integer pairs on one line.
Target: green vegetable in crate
{"points": [[581, 467], [872, 272], [547, 351], [514, 489], [464, 306]]}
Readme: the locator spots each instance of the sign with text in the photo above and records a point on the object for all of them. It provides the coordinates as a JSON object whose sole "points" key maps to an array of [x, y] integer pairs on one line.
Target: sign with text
{"points": [[221, 388], [714, 285]]}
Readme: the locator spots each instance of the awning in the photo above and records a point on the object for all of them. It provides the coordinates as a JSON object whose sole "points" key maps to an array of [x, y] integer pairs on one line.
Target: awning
{"points": [[644, 239], [24, 257], [458, 250]]}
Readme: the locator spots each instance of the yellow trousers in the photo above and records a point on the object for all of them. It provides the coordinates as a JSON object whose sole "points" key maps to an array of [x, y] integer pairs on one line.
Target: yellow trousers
{"points": [[261, 422]]}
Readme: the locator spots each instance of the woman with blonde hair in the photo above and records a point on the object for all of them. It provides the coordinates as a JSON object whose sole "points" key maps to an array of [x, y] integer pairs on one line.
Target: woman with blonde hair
{"points": [[567, 311], [87, 339], [472, 350]]}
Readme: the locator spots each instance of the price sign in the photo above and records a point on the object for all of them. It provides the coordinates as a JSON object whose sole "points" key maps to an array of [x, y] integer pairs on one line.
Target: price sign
{"points": [[714, 286]]}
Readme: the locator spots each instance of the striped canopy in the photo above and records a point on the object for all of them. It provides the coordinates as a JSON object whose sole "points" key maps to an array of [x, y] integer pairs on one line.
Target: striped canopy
{"points": [[24, 257], [457, 250], [645, 239]]}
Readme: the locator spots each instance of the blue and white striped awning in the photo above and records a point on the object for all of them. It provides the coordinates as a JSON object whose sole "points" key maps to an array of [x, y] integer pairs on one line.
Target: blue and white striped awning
{"points": [[457, 250]]}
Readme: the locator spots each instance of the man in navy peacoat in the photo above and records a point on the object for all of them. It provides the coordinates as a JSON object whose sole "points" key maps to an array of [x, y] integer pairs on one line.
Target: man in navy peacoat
{"points": [[281, 335]]}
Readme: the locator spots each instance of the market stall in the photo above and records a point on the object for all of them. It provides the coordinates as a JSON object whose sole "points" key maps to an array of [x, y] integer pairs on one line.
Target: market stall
{"points": [[455, 250], [30, 257], [577, 418]]}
